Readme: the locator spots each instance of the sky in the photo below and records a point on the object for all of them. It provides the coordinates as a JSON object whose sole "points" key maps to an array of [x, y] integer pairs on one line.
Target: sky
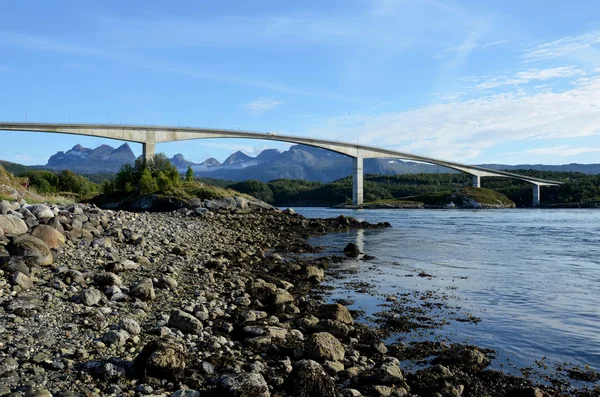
{"points": [[475, 81]]}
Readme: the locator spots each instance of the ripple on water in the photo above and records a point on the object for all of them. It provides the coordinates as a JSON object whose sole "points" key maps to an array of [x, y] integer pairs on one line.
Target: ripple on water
{"points": [[531, 275]]}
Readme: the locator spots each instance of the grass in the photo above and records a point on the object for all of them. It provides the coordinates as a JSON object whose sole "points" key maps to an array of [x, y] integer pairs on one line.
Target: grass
{"points": [[486, 196], [481, 195], [399, 201], [186, 191]]}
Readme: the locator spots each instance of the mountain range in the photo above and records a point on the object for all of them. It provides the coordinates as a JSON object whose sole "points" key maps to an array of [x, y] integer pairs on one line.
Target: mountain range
{"points": [[298, 162]]}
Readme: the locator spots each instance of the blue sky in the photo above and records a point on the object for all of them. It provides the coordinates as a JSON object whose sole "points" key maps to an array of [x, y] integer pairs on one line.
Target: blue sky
{"points": [[470, 81]]}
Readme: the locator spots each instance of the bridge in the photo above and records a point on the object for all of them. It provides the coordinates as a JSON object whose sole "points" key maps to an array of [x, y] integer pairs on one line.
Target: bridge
{"points": [[149, 136]]}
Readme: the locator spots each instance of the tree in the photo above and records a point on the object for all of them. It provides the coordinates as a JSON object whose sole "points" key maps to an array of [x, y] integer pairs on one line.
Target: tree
{"points": [[163, 182], [147, 182], [189, 175]]}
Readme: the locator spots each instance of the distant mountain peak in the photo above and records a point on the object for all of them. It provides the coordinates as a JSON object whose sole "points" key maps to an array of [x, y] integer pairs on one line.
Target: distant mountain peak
{"points": [[211, 162], [237, 157], [84, 160], [124, 148]]}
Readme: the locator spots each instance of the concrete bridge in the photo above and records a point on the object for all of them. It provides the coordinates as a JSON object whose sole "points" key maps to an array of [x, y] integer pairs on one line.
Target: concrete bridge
{"points": [[149, 136]]}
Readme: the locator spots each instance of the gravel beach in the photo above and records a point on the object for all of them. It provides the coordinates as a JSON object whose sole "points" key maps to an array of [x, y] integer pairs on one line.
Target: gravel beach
{"points": [[99, 302]]}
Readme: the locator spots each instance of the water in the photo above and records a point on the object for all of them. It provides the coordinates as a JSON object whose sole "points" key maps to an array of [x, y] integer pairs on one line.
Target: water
{"points": [[532, 276]]}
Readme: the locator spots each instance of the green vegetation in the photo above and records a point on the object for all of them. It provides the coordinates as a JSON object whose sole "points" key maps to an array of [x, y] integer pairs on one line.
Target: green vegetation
{"points": [[431, 189], [48, 183], [32, 195], [189, 175], [158, 176]]}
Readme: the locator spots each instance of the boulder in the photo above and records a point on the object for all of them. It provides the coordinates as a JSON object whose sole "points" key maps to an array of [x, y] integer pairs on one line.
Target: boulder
{"points": [[314, 273], [130, 325], [90, 296], [186, 393], [144, 290], [308, 379], [12, 224], [282, 296], [41, 211], [351, 250], [5, 207], [389, 373], [161, 359], [21, 280], [324, 346], [184, 322], [167, 282], [243, 385], [52, 237], [116, 337], [336, 312], [31, 247], [107, 279]]}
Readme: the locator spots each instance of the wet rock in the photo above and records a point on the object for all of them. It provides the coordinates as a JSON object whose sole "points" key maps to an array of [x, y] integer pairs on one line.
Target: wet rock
{"points": [[308, 379], [90, 296], [380, 391], [144, 290], [52, 237], [314, 273], [31, 247], [351, 250], [282, 296], [390, 373], [463, 356], [243, 385], [21, 280], [336, 312], [184, 322], [161, 359], [324, 346]]}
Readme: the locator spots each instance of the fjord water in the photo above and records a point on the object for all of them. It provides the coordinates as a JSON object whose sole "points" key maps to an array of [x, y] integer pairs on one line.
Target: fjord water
{"points": [[531, 275]]}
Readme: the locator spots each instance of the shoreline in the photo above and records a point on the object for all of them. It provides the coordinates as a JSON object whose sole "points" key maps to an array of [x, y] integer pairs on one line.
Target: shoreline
{"points": [[213, 304]]}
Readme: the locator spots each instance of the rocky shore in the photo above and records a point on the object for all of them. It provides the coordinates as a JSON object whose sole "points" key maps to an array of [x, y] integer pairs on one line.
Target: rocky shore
{"points": [[199, 303]]}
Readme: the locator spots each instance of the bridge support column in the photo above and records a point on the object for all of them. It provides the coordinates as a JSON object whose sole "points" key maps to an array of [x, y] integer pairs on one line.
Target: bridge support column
{"points": [[148, 150], [357, 181], [476, 181], [536, 195]]}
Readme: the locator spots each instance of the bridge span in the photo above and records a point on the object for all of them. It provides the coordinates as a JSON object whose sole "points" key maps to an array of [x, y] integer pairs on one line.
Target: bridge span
{"points": [[149, 136]]}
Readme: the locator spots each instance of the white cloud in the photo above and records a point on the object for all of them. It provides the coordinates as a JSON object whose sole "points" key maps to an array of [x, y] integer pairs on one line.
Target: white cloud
{"points": [[561, 47], [562, 151], [464, 130], [527, 76], [468, 46], [261, 105]]}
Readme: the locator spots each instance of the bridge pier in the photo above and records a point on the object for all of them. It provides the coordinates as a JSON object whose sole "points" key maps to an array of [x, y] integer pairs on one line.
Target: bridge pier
{"points": [[476, 181], [148, 150], [357, 181], [536, 195]]}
